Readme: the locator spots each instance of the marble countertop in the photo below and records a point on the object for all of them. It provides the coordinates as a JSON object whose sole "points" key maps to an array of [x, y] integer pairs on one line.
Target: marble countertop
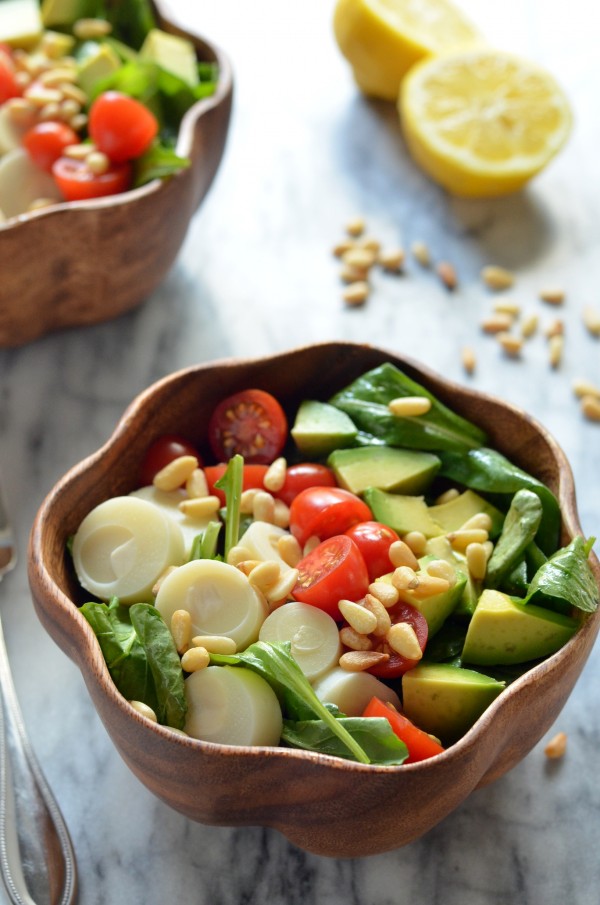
{"points": [[307, 153]]}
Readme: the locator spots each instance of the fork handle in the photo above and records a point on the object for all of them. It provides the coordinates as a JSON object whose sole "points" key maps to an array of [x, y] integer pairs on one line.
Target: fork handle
{"points": [[37, 860]]}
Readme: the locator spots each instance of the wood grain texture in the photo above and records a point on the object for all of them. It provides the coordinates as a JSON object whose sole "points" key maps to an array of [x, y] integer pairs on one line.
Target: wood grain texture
{"points": [[85, 262], [322, 804]]}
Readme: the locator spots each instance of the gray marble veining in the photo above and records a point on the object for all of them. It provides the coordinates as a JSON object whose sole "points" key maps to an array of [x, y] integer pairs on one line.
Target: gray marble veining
{"points": [[256, 275]]}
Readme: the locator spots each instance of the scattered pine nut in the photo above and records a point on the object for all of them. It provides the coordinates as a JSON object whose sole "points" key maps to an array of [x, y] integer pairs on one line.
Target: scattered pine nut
{"points": [[556, 346], [420, 253], [590, 406], [556, 328], [552, 295], [246, 565], [97, 162], [479, 520], [403, 640], [289, 549], [265, 574], [429, 586], [281, 591], [176, 473], [373, 605], [274, 479], [79, 152], [360, 619], [144, 710], [405, 578], [496, 323], [409, 406], [360, 258], [477, 561], [181, 629], [196, 485], [447, 275], [247, 500], [281, 514], [200, 507], [370, 243], [215, 644], [340, 248], [263, 506], [497, 278], [447, 496], [439, 568], [401, 555], [583, 388], [469, 361], [355, 227], [529, 326], [591, 320], [505, 306], [88, 29], [350, 274], [417, 542], [238, 554], [511, 345], [392, 259], [557, 746], [460, 540], [356, 294], [385, 593], [361, 660], [194, 659], [354, 640]]}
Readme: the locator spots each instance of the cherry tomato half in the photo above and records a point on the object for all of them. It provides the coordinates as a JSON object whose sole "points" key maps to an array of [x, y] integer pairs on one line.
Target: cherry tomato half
{"points": [[374, 541], [324, 512], [333, 571], [77, 182], [163, 451], [45, 142], [420, 745], [306, 474], [251, 423], [253, 476], [120, 126], [397, 665], [8, 86]]}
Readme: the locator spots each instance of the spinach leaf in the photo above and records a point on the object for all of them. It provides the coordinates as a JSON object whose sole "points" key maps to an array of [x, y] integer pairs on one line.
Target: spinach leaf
{"points": [[374, 734], [296, 696], [163, 660], [158, 162], [520, 527], [231, 484], [490, 472], [567, 576], [366, 402], [131, 21], [124, 654]]}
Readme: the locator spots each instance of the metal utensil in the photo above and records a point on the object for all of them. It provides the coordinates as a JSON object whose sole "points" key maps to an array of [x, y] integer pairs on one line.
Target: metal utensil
{"points": [[37, 860]]}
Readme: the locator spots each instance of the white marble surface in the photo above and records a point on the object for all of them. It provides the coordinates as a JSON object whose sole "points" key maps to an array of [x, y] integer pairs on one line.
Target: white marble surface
{"points": [[256, 275]]}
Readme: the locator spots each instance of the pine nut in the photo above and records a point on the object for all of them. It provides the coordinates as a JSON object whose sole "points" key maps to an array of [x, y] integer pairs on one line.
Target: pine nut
{"points": [[355, 641], [497, 278], [247, 500], [582, 387], [78, 122], [340, 248], [356, 293], [215, 644], [176, 473], [496, 323], [477, 560], [195, 659], [405, 579], [161, 578], [590, 407], [409, 406], [401, 555], [181, 629], [238, 554], [360, 258], [200, 507], [430, 586], [392, 259], [265, 574], [505, 306], [556, 328], [352, 274], [246, 565], [385, 593], [69, 108], [370, 243], [488, 547], [282, 589], [88, 29], [451, 494], [74, 93], [403, 640], [552, 295], [196, 485], [479, 520], [361, 660], [460, 540], [289, 549], [529, 326], [355, 227], [21, 111], [22, 79], [144, 710], [417, 542], [469, 361], [53, 78], [311, 544], [382, 617], [555, 347], [263, 507], [79, 152], [49, 113], [360, 619], [591, 320], [420, 253], [447, 275], [97, 162], [512, 345], [276, 474], [40, 96], [281, 514], [557, 746], [439, 568]]}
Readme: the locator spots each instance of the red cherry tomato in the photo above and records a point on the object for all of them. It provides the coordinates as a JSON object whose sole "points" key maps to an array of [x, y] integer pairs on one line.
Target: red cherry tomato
{"points": [[420, 745], [306, 474], [251, 423], [77, 182], [398, 665], [163, 451], [120, 126], [333, 571], [324, 512], [8, 85], [45, 142], [374, 541], [253, 476]]}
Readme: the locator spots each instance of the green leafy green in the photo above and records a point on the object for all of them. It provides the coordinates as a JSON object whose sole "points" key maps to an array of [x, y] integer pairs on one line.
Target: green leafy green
{"points": [[520, 527], [366, 402], [131, 21], [163, 660], [204, 545], [567, 576], [158, 162], [231, 483], [374, 734]]}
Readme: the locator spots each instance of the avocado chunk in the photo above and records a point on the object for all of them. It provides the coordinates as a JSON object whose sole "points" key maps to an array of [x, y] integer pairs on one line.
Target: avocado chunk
{"points": [[65, 12], [402, 513], [446, 700], [453, 514], [176, 55], [395, 470], [20, 23], [96, 67], [320, 428], [503, 632]]}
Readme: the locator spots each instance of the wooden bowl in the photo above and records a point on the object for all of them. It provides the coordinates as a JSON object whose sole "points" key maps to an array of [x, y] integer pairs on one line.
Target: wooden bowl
{"points": [[83, 262], [322, 804]]}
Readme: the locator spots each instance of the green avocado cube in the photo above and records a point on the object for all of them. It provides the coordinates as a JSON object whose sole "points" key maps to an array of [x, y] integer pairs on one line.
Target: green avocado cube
{"points": [[401, 512], [453, 514], [319, 428], [394, 470]]}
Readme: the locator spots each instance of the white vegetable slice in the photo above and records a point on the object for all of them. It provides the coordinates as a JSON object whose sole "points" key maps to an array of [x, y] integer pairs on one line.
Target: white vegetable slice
{"points": [[352, 691], [260, 539], [168, 502], [231, 705], [314, 636], [122, 547], [11, 132], [21, 183], [218, 597]]}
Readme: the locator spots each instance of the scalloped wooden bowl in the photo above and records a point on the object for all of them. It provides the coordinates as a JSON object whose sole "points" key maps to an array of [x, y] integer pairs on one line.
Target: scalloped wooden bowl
{"points": [[322, 804], [84, 262]]}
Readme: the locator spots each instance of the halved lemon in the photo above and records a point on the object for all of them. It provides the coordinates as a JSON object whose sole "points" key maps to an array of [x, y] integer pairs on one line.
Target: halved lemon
{"points": [[382, 39], [482, 122]]}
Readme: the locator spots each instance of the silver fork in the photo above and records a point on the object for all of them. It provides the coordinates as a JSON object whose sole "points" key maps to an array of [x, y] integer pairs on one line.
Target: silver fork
{"points": [[37, 860]]}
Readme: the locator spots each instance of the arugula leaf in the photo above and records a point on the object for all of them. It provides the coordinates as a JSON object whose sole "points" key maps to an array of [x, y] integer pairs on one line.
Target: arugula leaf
{"points": [[163, 660], [366, 402], [567, 576], [520, 527], [374, 734], [124, 654], [231, 484]]}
